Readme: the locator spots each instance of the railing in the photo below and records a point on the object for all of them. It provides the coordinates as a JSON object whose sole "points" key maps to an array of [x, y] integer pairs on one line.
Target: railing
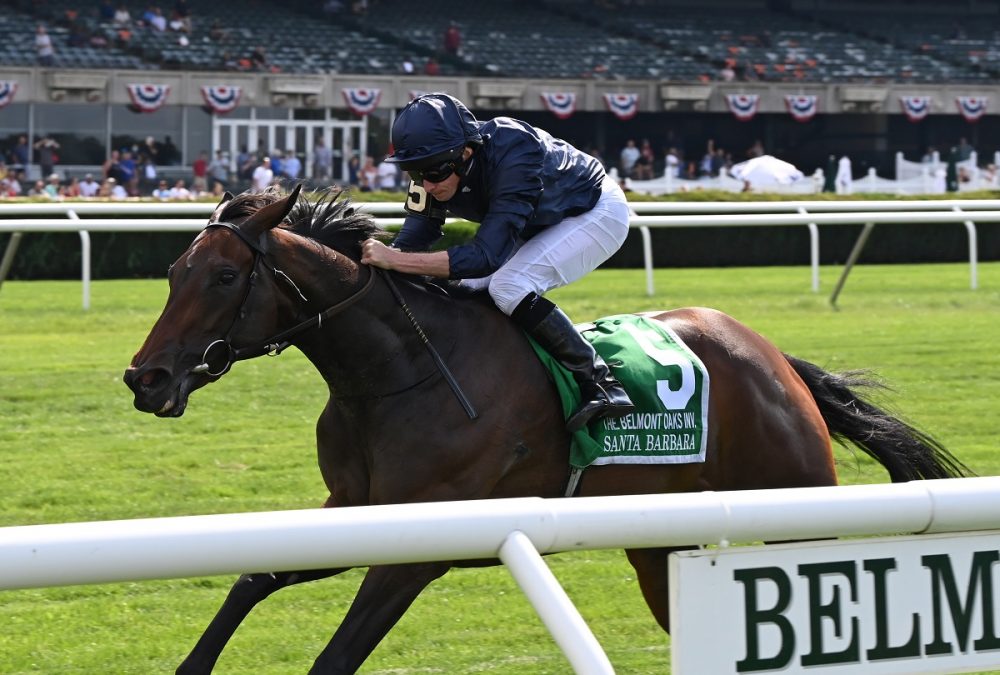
{"points": [[677, 214], [516, 531]]}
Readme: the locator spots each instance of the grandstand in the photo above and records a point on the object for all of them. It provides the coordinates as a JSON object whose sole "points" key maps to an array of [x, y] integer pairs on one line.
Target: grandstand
{"points": [[679, 58]]}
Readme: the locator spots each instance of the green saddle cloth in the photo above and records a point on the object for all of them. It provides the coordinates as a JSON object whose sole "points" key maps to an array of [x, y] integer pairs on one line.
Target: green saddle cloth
{"points": [[667, 383]]}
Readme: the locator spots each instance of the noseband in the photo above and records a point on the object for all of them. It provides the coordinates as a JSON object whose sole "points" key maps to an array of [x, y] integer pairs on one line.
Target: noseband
{"points": [[223, 348]]}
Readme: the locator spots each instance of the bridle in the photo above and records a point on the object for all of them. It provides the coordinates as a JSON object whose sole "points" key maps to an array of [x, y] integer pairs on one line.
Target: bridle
{"points": [[277, 343]]}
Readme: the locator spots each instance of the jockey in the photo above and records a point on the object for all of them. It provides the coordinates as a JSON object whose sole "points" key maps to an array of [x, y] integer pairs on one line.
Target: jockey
{"points": [[548, 215]]}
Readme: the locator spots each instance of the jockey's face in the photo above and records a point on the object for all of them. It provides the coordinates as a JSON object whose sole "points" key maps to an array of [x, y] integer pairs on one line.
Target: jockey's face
{"points": [[446, 189]]}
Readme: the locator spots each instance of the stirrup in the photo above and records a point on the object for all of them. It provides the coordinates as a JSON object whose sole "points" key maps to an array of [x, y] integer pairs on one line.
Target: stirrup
{"points": [[607, 401]]}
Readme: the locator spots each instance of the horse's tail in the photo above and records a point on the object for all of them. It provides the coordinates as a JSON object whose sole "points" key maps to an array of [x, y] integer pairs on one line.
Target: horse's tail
{"points": [[906, 453]]}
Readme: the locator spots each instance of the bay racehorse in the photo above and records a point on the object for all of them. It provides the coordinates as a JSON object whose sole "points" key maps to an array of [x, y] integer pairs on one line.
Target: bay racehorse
{"points": [[271, 270]]}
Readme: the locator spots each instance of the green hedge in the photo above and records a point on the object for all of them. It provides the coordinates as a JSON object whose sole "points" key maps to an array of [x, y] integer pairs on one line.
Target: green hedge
{"points": [[128, 255]]}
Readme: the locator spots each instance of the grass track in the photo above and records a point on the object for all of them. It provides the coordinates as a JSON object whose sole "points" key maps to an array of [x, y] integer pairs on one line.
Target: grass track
{"points": [[73, 449]]}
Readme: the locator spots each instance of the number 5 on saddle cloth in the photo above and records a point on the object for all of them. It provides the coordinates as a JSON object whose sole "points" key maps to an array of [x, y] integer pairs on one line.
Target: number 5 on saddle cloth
{"points": [[667, 382]]}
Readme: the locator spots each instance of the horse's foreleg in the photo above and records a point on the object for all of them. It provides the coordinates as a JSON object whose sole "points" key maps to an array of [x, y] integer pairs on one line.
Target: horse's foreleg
{"points": [[248, 590], [384, 596]]}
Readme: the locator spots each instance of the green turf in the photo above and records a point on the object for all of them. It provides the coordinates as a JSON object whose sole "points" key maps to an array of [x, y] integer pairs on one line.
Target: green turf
{"points": [[73, 449]]}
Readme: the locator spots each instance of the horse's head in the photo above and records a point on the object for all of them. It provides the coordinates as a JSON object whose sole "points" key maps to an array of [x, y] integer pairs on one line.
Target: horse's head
{"points": [[223, 295]]}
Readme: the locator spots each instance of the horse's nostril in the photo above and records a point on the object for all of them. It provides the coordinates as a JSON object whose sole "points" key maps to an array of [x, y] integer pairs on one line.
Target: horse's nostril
{"points": [[148, 380]]}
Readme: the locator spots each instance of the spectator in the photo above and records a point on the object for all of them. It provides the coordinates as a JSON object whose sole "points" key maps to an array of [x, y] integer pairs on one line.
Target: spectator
{"points": [[216, 32], [262, 176], [643, 168], [322, 160], [106, 11], [167, 153], [128, 176], [218, 170], [181, 16], [199, 169], [245, 164], [111, 167], [37, 189], [672, 163], [112, 189], [89, 186], [53, 187], [180, 191], [354, 171], [46, 154], [431, 67], [407, 67], [277, 160], [21, 153], [452, 39], [291, 168], [388, 176], [16, 181], [157, 21], [122, 18], [43, 46], [628, 157], [72, 189], [162, 191], [369, 175], [258, 58], [6, 190]]}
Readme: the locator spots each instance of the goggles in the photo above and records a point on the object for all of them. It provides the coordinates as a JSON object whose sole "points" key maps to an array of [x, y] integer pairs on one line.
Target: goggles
{"points": [[434, 174]]}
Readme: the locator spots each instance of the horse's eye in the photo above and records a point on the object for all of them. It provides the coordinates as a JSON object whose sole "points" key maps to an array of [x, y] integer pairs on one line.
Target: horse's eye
{"points": [[226, 278]]}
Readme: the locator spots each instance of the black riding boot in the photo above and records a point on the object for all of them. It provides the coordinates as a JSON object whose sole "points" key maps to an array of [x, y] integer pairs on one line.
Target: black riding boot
{"points": [[601, 394]]}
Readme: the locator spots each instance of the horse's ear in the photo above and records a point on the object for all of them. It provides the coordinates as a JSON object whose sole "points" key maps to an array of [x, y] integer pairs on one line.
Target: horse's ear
{"points": [[270, 216], [217, 212]]}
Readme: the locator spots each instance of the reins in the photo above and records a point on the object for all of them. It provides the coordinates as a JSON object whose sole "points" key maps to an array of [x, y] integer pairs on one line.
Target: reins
{"points": [[276, 344]]}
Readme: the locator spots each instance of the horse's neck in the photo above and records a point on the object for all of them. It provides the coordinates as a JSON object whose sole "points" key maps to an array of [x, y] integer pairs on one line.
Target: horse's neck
{"points": [[372, 348]]}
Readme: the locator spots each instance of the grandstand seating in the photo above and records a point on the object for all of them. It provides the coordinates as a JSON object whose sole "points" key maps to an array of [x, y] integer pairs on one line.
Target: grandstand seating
{"points": [[540, 39]]}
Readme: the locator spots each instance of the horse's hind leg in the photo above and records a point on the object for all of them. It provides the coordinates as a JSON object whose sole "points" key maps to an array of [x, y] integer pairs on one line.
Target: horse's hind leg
{"points": [[652, 571], [248, 590]]}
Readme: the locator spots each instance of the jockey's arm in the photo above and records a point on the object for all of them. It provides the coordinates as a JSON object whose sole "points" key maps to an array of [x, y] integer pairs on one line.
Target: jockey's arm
{"points": [[377, 254]]}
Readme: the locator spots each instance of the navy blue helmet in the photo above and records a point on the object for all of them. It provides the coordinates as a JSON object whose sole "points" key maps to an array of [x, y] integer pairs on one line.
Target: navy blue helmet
{"points": [[430, 130]]}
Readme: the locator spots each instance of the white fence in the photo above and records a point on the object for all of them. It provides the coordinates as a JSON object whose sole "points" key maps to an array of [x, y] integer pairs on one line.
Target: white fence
{"points": [[516, 531], [673, 214]]}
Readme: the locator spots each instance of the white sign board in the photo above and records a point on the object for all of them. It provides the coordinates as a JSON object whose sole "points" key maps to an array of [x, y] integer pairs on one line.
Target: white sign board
{"points": [[914, 604]]}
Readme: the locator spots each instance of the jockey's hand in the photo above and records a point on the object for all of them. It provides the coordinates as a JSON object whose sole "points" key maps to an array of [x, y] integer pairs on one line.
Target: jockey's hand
{"points": [[376, 254]]}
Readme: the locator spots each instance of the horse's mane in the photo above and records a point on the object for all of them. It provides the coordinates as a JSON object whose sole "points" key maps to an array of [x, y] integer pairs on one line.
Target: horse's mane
{"points": [[327, 216]]}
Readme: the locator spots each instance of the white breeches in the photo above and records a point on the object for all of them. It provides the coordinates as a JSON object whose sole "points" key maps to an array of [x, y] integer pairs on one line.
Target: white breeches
{"points": [[562, 253]]}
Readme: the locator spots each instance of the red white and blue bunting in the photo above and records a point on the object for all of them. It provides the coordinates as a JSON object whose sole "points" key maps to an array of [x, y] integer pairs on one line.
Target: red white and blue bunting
{"points": [[362, 101], [221, 98], [7, 90], [148, 97], [801, 107], [743, 106], [560, 104], [972, 107], [624, 106], [915, 107]]}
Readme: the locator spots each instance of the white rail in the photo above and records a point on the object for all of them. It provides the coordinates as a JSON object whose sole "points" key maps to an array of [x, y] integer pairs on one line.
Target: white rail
{"points": [[515, 530], [679, 214]]}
